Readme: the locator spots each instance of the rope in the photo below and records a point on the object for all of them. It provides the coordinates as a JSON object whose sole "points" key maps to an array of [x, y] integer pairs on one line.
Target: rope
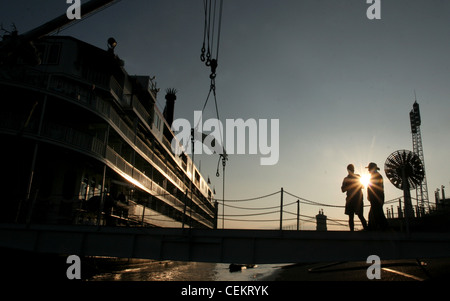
{"points": [[249, 199], [254, 214], [308, 202], [265, 208], [298, 217], [258, 220]]}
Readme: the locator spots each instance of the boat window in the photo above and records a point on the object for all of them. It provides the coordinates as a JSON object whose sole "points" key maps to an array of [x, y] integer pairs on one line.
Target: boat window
{"points": [[197, 176]]}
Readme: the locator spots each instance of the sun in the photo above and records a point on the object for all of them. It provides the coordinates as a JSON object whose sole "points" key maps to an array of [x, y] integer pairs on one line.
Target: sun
{"points": [[365, 179]]}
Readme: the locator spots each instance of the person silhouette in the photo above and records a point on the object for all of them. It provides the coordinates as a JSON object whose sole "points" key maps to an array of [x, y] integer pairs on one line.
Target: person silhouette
{"points": [[375, 196], [354, 200]]}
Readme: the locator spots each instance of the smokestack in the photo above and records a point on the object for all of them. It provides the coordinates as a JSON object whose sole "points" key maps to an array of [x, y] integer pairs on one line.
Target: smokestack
{"points": [[171, 96]]}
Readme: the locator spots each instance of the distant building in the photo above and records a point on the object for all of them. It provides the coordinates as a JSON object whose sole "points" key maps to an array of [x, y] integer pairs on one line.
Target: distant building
{"points": [[442, 203], [321, 221]]}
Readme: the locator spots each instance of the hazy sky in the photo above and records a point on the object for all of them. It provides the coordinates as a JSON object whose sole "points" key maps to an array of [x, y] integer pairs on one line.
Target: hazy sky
{"points": [[340, 85]]}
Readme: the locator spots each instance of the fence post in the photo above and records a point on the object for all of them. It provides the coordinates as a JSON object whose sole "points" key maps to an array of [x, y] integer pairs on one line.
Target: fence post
{"points": [[298, 215], [281, 210]]}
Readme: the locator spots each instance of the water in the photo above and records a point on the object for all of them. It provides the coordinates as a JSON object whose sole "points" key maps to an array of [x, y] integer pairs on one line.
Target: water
{"points": [[258, 273], [145, 270]]}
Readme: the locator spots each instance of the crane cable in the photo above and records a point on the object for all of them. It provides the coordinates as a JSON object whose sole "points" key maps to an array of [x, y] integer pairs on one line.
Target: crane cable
{"points": [[85, 17], [211, 13], [209, 30]]}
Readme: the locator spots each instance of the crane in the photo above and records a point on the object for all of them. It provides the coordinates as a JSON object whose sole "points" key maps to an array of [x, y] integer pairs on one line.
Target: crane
{"points": [[16, 45]]}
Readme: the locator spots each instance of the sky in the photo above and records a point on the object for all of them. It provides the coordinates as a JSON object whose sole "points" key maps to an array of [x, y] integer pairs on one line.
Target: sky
{"points": [[340, 85]]}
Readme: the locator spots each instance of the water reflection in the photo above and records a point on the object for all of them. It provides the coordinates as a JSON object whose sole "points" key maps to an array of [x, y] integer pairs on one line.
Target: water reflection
{"points": [[261, 272], [145, 270], [155, 271]]}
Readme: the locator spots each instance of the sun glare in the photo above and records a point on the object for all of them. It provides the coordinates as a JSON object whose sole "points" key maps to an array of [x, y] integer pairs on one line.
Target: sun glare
{"points": [[365, 179]]}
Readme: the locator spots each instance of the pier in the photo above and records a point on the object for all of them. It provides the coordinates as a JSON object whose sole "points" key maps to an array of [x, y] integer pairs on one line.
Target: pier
{"points": [[223, 246]]}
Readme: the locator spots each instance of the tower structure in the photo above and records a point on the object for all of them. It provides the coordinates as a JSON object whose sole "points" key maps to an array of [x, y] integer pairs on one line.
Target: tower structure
{"points": [[321, 221], [423, 203]]}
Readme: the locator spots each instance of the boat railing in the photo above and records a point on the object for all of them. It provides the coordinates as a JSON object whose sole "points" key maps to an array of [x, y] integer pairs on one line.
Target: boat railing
{"points": [[102, 107], [92, 145], [89, 144], [145, 215], [148, 184], [59, 85], [115, 88], [142, 111]]}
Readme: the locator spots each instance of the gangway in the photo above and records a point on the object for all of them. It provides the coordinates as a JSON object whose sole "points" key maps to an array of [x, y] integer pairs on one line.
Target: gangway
{"points": [[223, 245]]}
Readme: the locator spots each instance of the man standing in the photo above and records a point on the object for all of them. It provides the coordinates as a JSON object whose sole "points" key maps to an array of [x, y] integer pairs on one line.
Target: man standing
{"points": [[375, 196], [354, 201]]}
